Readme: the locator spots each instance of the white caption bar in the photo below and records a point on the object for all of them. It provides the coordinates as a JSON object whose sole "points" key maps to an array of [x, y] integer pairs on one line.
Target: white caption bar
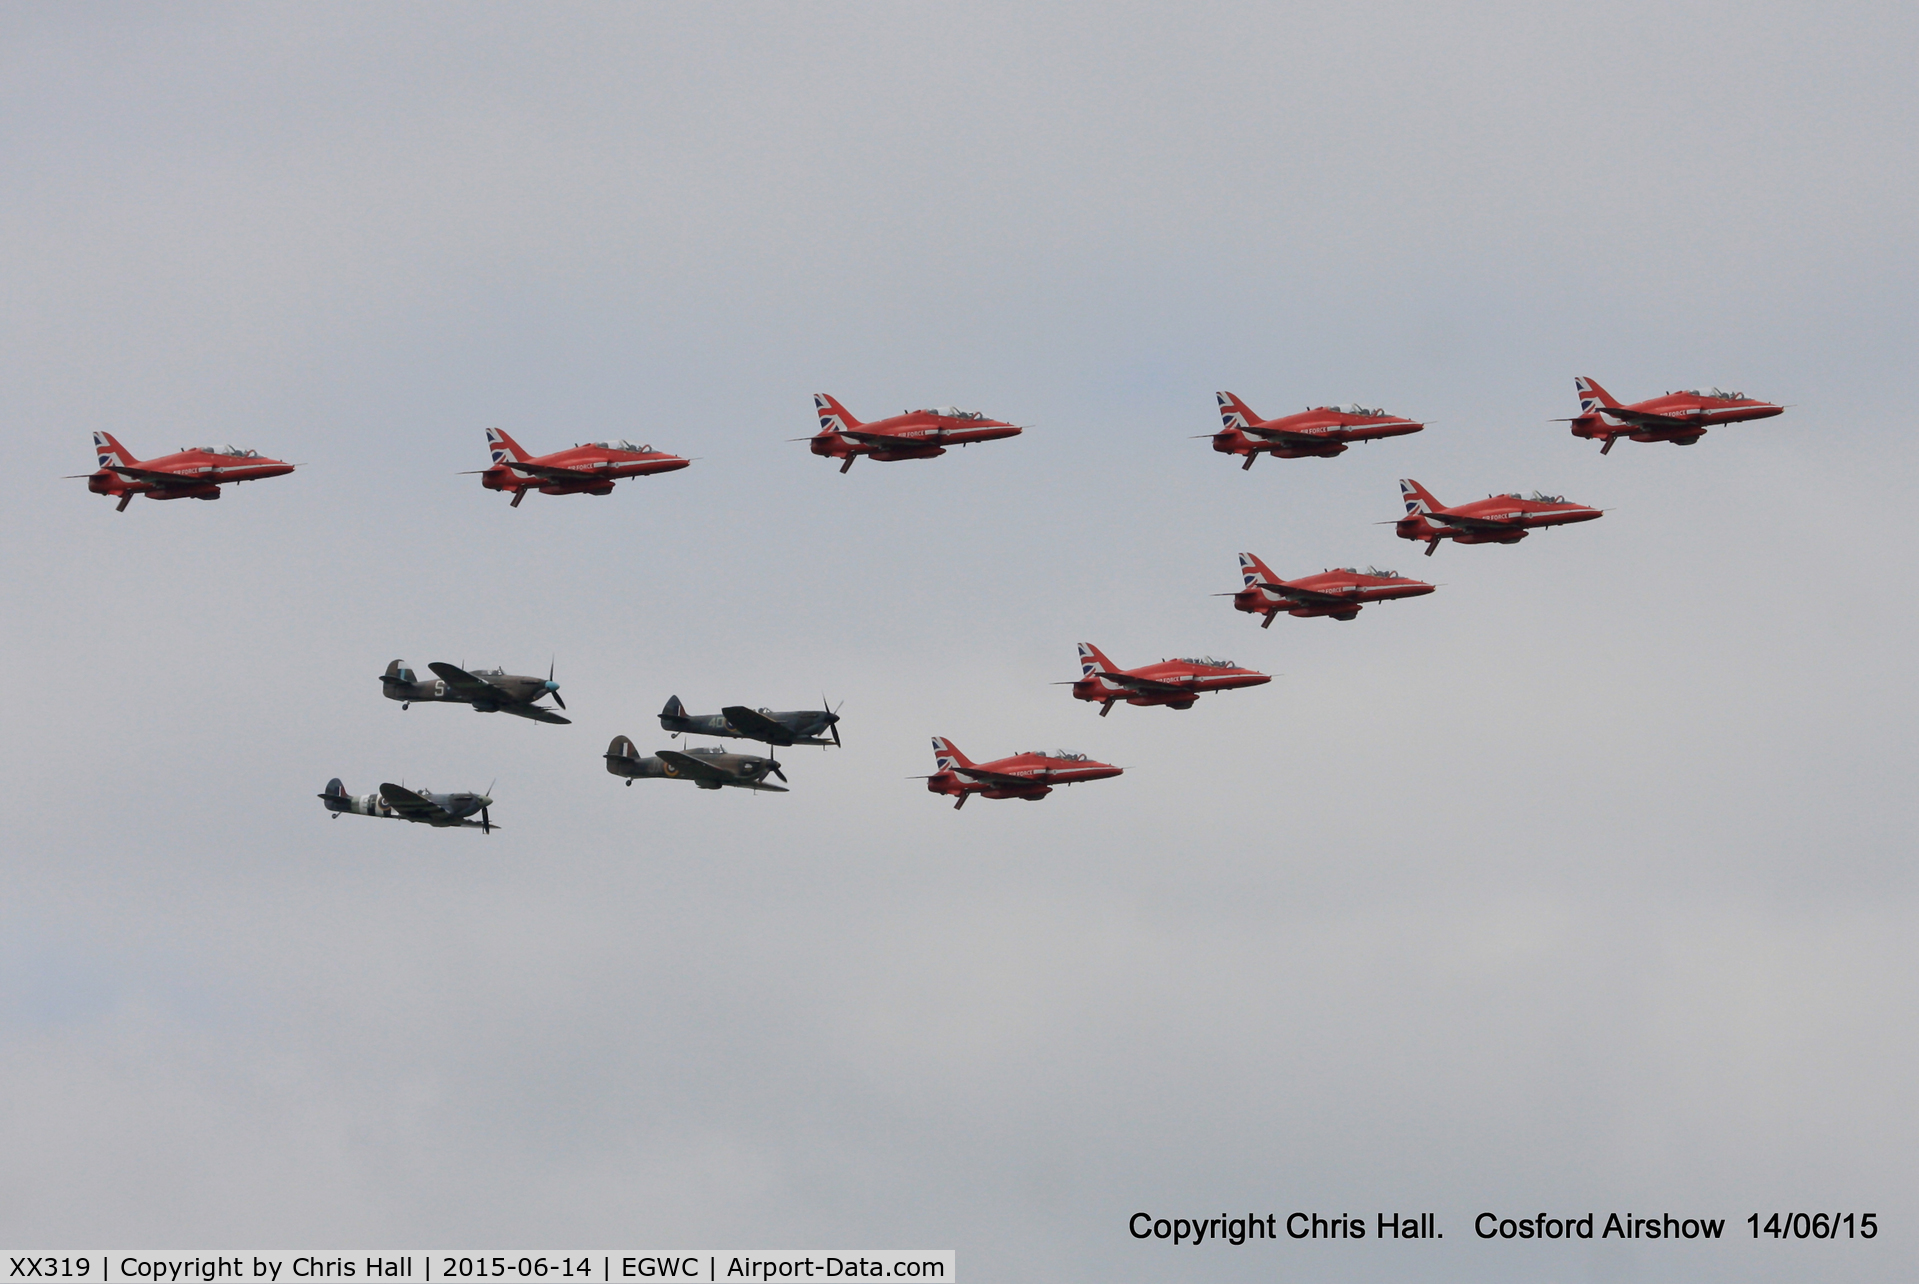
{"points": [[419, 1266]]}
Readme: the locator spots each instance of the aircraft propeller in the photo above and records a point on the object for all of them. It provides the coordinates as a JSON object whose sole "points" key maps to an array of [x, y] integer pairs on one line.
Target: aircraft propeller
{"points": [[774, 767], [552, 687], [832, 721]]}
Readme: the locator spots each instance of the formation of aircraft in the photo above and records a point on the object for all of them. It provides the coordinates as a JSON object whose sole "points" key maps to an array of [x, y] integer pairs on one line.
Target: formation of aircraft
{"points": [[1338, 591], [911, 434], [593, 468], [487, 690], [1320, 432], [1496, 519], [192, 472], [1029, 775], [1678, 417], [737, 722], [705, 767], [396, 802], [589, 469], [1173, 683]]}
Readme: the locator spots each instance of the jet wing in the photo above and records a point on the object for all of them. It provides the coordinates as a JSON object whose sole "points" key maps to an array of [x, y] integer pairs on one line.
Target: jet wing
{"points": [[153, 478], [410, 806], [1647, 419], [550, 473], [539, 713], [1473, 523], [1305, 594], [755, 725], [887, 441], [1141, 684], [999, 779], [1280, 437]]}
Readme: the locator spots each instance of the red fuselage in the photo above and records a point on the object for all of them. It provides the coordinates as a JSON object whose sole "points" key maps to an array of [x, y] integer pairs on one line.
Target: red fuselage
{"points": [[1174, 683], [1026, 775], [590, 469], [916, 434], [1319, 433], [1496, 519], [1678, 417], [195, 473], [1339, 593]]}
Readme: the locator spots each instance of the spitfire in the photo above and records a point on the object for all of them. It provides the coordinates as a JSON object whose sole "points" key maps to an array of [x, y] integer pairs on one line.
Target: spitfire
{"points": [[1339, 592], [1321, 432], [487, 690], [1496, 519], [396, 802], [912, 434], [736, 721], [590, 469], [707, 768], [1678, 417], [195, 472], [1174, 683], [1030, 775]]}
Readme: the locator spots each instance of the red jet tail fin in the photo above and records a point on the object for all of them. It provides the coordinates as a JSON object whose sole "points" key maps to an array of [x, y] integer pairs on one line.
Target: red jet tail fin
{"points": [[1592, 397], [1234, 413], [503, 448], [833, 416], [946, 756], [1418, 498], [1092, 660], [1253, 572], [111, 453]]}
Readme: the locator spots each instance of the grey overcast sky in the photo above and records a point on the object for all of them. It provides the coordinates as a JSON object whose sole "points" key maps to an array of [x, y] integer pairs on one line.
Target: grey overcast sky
{"points": [[1583, 885]]}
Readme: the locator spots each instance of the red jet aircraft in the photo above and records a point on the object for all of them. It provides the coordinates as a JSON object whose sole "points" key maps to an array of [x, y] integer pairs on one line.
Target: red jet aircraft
{"points": [[195, 472], [1030, 775], [1496, 519], [1339, 592], [914, 434], [1170, 682], [590, 469], [1321, 432], [1678, 417]]}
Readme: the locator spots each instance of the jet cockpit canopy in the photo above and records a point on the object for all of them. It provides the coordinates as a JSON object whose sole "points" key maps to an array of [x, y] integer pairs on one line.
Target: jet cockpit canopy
{"points": [[1204, 661], [948, 412], [1065, 755], [622, 443], [231, 452], [1540, 497], [1364, 412], [1384, 575]]}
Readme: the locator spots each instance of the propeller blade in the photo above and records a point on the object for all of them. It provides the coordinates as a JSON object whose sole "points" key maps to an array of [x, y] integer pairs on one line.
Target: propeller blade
{"points": [[774, 767], [835, 729], [558, 701], [486, 821]]}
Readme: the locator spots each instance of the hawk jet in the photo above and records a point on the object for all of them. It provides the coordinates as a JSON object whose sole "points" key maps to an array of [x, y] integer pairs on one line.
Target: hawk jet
{"points": [[590, 469], [395, 802], [487, 690], [1339, 591], [737, 722], [1321, 432], [1496, 519], [1678, 417], [195, 472], [911, 434], [1174, 683], [707, 768], [1030, 775]]}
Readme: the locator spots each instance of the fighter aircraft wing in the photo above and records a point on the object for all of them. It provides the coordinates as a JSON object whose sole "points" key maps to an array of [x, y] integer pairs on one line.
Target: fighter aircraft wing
{"points": [[694, 769], [1304, 594], [1472, 523], [1647, 419], [539, 713], [463, 682], [755, 725], [997, 779], [1140, 684], [887, 441], [410, 806], [1280, 437], [153, 478], [551, 473]]}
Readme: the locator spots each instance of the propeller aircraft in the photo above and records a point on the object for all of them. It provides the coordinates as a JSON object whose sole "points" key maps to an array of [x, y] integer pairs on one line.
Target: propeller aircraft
{"points": [[396, 802], [590, 469], [707, 768], [736, 721], [1678, 417], [1339, 591], [195, 472], [487, 690], [1029, 775], [1174, 683], [911, 434], [1496, 519], [1320, 432]]}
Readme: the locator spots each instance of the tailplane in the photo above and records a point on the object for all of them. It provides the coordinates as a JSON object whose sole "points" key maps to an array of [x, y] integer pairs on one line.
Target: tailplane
{"points": [[621, 748]]}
